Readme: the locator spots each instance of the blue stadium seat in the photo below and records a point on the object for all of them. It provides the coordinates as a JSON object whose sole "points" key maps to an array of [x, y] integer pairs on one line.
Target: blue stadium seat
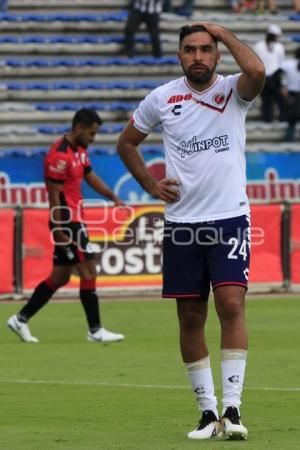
{"points": [[82, 85], [87, 40], [33, 40], [118, 85], [40, 85], [82, 62], [48, 129], [92, 85], [7, 17], [64, 85], [63, 17], [32, 17], [9, 40], [62, 62], [15, 86]]}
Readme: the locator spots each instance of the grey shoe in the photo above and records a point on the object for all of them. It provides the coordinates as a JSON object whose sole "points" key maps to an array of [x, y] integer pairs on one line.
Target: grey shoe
{"points": [[103, 335]]}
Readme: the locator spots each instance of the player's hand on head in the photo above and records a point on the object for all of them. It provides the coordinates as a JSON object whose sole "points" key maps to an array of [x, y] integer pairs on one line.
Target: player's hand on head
{"points": [[212, 28], [167, 190]]}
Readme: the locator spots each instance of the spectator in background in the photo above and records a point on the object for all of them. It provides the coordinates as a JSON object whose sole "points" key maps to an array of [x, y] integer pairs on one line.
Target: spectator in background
{"points": [[186, 9], [272, 53], [66, 165], [291, 69], [254, 6], [297, 6], [272, 7], [3, 5], [167, 6], [148, 12], [235, 6]]}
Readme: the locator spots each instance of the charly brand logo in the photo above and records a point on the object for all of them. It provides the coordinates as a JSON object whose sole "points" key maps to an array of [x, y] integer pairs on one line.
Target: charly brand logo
{"points": [[187, 148], [234, 379]]}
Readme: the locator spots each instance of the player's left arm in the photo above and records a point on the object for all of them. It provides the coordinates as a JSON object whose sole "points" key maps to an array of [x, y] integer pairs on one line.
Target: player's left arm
{"points": [[251, 81], [101, 187]]}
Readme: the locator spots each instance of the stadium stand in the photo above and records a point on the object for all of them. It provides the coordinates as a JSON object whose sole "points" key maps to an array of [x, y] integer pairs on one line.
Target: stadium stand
{"points": [[59, 55]]}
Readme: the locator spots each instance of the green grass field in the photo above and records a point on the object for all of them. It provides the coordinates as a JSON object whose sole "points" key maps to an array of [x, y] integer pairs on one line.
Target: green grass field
{"points": [[67, 393]]}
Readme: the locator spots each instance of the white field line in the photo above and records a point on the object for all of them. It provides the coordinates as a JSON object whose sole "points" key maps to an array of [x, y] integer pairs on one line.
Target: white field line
{"points": [[135, 386]]}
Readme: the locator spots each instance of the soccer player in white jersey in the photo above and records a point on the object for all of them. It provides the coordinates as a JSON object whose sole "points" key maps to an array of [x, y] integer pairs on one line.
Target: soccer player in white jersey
{"points": [[207, 225]]}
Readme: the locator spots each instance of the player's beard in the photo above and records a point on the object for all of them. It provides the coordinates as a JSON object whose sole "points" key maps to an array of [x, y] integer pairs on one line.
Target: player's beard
{"points": [[199, 78]]}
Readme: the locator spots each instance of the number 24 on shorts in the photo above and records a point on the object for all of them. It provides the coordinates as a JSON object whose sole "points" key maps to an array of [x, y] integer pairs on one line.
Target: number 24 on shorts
{"points": [[235, 251]]}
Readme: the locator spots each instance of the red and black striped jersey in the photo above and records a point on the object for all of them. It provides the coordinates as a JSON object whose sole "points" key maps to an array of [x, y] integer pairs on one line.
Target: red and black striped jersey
{"points": [[67, 165]]}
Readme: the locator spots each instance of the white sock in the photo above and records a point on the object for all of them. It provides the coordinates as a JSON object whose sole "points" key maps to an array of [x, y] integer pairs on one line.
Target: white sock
{"points": [[233, 370], [200, 375]]}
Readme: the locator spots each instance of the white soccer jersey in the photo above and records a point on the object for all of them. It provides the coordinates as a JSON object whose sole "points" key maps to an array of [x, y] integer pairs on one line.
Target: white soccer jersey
{"points": [[204, 140]]}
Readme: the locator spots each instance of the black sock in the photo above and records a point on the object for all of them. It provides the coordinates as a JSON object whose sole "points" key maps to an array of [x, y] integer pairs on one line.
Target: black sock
{"points": [[41, 295], [89, 301]]}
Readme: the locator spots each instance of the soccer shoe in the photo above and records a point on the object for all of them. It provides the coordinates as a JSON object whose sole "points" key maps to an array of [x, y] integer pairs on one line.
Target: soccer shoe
{"points": [[21, 329], [103, 335], [232, 426], [208, 427]]}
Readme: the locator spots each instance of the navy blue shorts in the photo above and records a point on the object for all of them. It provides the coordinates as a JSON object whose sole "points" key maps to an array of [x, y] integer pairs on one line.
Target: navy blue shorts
{"points": [[197, 255], [79, 248]]}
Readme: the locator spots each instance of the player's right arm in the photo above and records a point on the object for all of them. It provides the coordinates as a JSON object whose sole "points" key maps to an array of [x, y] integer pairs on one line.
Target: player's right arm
{"points": [[127, 147]]}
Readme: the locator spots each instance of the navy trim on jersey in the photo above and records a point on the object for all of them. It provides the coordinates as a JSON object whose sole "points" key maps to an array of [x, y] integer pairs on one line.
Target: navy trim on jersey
{"points": [[63, 146], [215, 108], [87, 170], [55, 181]]}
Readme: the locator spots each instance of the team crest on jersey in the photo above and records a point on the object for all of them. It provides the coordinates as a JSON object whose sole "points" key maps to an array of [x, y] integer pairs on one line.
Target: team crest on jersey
{"points": [[61, 165], [219, 99]]}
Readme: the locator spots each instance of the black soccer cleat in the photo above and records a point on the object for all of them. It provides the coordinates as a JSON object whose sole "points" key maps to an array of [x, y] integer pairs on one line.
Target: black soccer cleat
{"points": [[232, 426], [208, 427]]}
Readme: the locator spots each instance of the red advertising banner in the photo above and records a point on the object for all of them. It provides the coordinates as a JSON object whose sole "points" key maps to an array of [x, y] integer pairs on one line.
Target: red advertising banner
{"points": [[6, 250], [37, 247], [295, 244], [265, 266], [127, 245]]}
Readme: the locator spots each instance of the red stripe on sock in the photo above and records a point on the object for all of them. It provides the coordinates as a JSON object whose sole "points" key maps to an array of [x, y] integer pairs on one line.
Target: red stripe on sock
{"points": [[88, 284], [80, 255]]}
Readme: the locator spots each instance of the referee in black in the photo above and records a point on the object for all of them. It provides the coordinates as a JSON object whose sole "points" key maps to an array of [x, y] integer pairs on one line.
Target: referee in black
{"points": [[147, 11]]}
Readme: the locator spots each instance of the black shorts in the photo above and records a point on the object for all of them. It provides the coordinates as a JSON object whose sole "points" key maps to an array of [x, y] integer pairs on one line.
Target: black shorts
{"points": [[197, 255], [78, 249]]}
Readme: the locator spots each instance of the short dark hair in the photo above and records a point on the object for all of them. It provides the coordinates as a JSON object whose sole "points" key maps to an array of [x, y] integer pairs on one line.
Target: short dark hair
{"points": [[86, 117], [186, 30]]}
